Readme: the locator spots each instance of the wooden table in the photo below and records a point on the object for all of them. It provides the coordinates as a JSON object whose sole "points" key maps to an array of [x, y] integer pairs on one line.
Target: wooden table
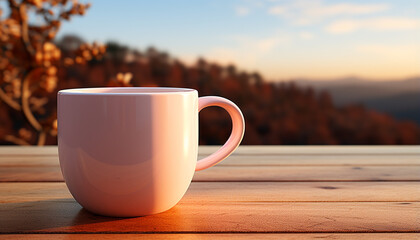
{"points": [[260, 192]]}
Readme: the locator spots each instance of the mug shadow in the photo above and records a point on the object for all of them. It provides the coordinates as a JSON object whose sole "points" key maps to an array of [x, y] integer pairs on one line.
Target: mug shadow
{"points": [[66, 215]]}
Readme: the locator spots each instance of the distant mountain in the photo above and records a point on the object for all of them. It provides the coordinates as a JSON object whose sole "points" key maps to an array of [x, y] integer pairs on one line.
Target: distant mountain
{"points": [[403, 106], [401, 99]]}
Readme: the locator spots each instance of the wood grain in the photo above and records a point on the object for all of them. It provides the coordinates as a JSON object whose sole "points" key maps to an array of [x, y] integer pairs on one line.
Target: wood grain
{"points": [[313, 150], [246, 192], [28, 151], [276, 236], [250, 150], [244, 160], [260, 192], [314, 173], [66, 216], [322, 160], [225, 207], [247, 173]]}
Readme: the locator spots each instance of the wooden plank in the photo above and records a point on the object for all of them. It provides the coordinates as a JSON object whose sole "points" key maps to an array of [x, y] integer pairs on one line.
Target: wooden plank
{"points": [[28, 161], [250, 150], [66, 216], [248, 173], [28, 150], [31, 174], [312, 150], [268, 160], [251, 236], [322, 160], [313, 173], [246, 192], [225, 207]]}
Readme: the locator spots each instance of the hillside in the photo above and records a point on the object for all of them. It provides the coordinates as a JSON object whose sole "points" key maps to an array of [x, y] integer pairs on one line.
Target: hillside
{"points": [[275, 113], [400, 99], [404, 106]]}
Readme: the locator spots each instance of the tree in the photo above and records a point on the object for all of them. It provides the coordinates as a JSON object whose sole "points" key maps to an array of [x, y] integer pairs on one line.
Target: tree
{"points": [[30, 60]]}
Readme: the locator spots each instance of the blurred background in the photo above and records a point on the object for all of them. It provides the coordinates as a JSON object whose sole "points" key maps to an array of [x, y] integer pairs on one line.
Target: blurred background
{"points": [[303, 72]]}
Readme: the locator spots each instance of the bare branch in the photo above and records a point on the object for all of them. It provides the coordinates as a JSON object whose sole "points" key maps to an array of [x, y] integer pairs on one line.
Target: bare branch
{"points": [[9, 101], [24, 26], [42, 136], [25, 103], [12, 4], [15, 140]]}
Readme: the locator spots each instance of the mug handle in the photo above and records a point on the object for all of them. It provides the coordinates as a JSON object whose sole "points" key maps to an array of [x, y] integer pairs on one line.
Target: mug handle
{"points": [[238, 129]]}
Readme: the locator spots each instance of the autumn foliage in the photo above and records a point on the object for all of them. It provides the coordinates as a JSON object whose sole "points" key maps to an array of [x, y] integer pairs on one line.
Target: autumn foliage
{"points": [[29, 62], [275, 113], [33, 67]]}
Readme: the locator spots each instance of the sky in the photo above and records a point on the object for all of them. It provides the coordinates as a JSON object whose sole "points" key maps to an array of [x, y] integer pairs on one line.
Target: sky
{"points": [[283, 40]]}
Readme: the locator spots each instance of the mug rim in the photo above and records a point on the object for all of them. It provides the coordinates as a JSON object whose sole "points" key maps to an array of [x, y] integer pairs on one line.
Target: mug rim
{"points": [[126, 91]]}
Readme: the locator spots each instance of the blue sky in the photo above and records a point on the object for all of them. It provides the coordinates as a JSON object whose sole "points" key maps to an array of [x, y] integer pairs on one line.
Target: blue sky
{"points": [[375, 39]]}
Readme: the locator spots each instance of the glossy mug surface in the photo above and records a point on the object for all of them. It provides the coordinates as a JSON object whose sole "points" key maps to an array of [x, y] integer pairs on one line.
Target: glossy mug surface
{"points": [[133, 151]]}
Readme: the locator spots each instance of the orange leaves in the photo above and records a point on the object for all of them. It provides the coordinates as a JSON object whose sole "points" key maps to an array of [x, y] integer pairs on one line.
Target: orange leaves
{"points": [[29, 62], [48, 47], [37, 104], [48, 54], [9, 28], [16, 84], [89, 51], [13, 82], [75, 9], [68, 61], [54, 129], [51, 71], [37, 3], [85, 53], [4, 62], [49, 83], [25, 134], [124, 78], [121, 80]]}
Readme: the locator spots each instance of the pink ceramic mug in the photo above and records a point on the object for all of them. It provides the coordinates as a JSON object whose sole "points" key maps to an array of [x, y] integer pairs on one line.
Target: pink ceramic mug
{"points": [[133, 151]]}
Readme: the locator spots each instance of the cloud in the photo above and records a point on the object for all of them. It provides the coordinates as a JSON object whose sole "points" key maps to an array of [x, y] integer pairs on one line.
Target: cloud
{"points": [[306, 12], [247, 50], [268, 44], [389, 59], [277, 10], [346, 9], [396, 52], [373, 24], [222, 55], [306, 35], [242, 11], [262, 44]]}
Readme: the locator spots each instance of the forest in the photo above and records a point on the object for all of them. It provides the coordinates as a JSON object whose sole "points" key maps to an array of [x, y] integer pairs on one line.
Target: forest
{"points": [[275, 112], [35, 64]]}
